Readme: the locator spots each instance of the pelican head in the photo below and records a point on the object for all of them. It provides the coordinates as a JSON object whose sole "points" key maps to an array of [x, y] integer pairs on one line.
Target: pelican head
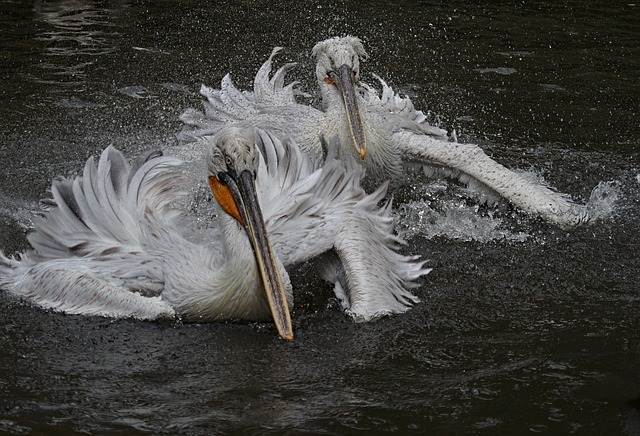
{"points": [[338, 65], [232, 168]]}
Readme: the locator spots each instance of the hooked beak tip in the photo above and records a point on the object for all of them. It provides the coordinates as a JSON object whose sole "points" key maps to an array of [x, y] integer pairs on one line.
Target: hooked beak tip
{"points": [[362, 153]]}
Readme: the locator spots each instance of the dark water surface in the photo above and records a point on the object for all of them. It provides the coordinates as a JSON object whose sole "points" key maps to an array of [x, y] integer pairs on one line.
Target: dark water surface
{"points": [[529, 329]]}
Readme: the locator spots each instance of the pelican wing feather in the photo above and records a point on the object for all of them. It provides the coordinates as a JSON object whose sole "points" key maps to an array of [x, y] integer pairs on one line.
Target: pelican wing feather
{"points": [[229, 105], [92, 247], [321, 209], [470, 164], [271, 91], [397, 111], [372, 279]]}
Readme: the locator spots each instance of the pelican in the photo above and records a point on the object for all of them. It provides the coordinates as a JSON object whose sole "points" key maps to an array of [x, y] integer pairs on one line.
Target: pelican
{"points": [[383, 130], [113, 241]]}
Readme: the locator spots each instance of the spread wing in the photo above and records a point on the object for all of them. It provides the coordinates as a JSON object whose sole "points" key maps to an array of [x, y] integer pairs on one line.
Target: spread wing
{"points": [[94, 243], [319, 208], [469, 164], [270, 106]]}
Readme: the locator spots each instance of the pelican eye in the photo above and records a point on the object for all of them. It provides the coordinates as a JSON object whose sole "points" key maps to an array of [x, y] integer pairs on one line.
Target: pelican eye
{"points": [[228, 161]]}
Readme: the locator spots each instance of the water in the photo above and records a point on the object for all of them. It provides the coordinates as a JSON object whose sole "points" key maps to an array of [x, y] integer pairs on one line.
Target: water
{"points": [[522, 327]]}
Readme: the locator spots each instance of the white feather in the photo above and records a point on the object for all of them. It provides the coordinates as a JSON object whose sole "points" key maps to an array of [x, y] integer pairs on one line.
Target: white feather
{"points": [[397, 133], [112, 243]]}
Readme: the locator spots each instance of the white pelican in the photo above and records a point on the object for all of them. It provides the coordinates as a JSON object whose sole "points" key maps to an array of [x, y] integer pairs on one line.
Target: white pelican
{"points": [[113, 243], [385, 130]]}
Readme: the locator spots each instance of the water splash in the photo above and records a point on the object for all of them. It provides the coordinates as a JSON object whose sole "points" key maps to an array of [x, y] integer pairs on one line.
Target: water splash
{"points": [[21, 211], [604, 199], [201, 214], [452, 220]]}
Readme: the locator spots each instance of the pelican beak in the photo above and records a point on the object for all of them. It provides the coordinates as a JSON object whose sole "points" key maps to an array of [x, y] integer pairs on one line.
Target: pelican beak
{"points": [[344, 79], [247, 211]]}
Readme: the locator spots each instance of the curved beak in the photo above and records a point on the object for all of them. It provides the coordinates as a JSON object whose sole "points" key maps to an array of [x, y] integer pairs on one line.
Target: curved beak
{"points": [[243, 192], [344, 79]]}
